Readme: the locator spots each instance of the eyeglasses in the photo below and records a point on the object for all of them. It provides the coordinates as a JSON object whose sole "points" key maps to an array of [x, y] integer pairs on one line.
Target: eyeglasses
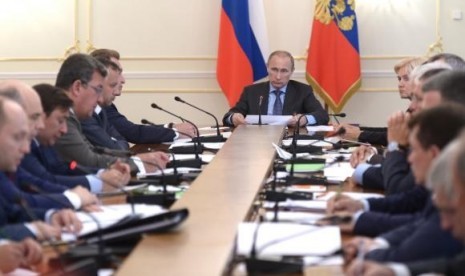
{"points": [[97, 90]]}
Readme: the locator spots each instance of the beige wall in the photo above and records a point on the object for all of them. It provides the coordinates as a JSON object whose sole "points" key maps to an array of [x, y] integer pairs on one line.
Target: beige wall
{"points": [[169, 47]]}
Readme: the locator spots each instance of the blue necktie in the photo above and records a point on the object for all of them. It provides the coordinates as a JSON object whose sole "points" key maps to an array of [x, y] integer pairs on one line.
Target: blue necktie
{"points": [[278, 105]]}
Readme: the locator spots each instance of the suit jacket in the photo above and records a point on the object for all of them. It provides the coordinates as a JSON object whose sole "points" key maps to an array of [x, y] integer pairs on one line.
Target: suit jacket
{"points": [[418, 240], [394, 175], [74, 146], [411, 201], [44, 163], [374, 136], [135, 133], [12, 194], [450, 267], [376, 223], [101, 133], [12, 216], [299, 99]]}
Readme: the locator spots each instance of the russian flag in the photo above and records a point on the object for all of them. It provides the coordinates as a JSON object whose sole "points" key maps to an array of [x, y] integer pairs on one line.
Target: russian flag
{"points": [[243, 46]]}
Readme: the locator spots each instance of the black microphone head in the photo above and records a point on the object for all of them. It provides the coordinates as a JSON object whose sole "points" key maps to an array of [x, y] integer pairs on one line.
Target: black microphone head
{"points": [[342, 115], [154, 105], [178, 99], [146, 122]]}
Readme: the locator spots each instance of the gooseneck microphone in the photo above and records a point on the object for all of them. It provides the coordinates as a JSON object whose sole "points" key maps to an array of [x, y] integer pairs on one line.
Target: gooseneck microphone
{"points": [[197, 144], [146, 122], [335, 115], [218, 137]]}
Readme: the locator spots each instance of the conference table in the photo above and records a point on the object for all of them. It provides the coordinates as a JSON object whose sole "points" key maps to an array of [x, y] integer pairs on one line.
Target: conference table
{"points": [[220, 198]]}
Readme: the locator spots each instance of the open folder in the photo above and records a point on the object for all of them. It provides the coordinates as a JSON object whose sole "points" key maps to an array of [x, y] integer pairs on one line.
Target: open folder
{"points": [[128, 228]]}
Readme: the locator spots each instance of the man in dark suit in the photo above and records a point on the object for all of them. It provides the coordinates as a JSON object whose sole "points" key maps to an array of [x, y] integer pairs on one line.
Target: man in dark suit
{"points": [[137, 133], [97, 128], [278, 96], [82, 76], [43, 161], [420, 237], [447, 182], [14, 134]]}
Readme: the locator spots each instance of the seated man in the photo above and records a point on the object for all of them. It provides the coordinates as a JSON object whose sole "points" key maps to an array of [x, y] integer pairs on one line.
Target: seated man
{"points": [[137, 133], [14, 134], [43, 161], [278, 96], [421, 237], [447, 182]]}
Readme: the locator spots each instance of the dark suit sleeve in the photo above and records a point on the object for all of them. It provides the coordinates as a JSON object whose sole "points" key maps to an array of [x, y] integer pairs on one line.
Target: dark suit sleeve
{"points": [[135, 133], [411, 201], [373, 178], [32, 164], [249, 96], [397, 175], [372, 224], [103, 136], [422, 239], [373, 137], [15, 232], [24, 177], [311, 106]]}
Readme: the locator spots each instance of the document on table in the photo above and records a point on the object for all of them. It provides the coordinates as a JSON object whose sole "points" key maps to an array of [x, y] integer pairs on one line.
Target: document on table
{"points": [[269, 119], [296, 217], [307, 205], [320, 128], [357, 196], [316, 143], [287, 239], [111, 214], [207, 158]]}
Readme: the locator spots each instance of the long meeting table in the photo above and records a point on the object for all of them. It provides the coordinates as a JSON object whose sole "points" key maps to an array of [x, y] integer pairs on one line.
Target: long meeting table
{"points": [[219, 199]]}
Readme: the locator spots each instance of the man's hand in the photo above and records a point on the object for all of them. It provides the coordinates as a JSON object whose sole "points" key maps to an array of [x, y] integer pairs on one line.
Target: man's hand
{"points": [[238, 119], [368, 268], [397, 128], [46, 231], [293, 121], [117, 176], [343, 220], [157, 157], [11, 256], [351, 249], [343, 203], [32, 252], [185, 130], [360, 155], [351, 132], [85, 195], [66, 219]]}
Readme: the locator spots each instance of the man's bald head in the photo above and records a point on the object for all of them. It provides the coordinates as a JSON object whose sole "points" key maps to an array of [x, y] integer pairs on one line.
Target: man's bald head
{"points": [[28, 98]]}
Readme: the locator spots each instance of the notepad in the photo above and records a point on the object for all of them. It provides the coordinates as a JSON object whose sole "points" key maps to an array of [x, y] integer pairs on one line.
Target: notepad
{"points": [[306, 167]]}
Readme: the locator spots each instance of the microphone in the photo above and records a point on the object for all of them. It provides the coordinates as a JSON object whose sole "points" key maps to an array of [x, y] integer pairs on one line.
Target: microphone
{"points": [[146, 122], [260, 101], [186, 149], [335, 115], [165, 199], [218, 137]]}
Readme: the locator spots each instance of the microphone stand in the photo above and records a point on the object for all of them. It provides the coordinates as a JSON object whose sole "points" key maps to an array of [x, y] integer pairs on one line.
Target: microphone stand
{"points": [[185, 149], [212, 139]]}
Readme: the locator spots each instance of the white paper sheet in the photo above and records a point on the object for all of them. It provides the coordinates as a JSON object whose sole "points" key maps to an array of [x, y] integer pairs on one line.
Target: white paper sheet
{"points": [[287, 239], [269, 119]]}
